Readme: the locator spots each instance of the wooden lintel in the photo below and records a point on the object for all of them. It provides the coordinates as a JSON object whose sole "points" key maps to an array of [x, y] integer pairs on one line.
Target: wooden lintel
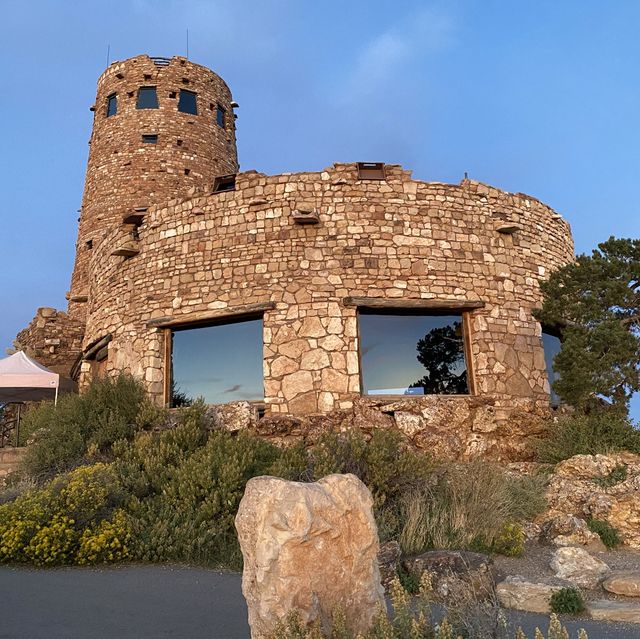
{"points": [[207, 316], [93, 348], [390, 303]]}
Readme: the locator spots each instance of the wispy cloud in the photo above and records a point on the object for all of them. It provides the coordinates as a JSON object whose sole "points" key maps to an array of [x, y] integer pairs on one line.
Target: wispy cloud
{"points": [[233, 389], [381, 60]]}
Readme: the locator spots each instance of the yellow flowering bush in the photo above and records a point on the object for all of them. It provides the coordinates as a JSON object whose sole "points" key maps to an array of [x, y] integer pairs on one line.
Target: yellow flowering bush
{"points": [[68, 520], [107, 542], [510, 540]]}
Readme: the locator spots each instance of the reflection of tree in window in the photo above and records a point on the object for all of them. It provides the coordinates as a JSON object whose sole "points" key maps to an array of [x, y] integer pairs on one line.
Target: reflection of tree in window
{"points": [[441, 352], [179, 397]]}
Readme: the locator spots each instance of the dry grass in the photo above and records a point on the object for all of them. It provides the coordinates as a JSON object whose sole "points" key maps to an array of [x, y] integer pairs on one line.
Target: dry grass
{"points": [[467, 506]]}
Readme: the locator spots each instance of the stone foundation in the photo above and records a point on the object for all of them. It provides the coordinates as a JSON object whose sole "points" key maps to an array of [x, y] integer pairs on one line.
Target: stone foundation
{"points": [[446, 427]]}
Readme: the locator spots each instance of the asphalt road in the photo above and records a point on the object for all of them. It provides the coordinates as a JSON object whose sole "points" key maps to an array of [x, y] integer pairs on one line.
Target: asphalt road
{"points": [[151, 602]]}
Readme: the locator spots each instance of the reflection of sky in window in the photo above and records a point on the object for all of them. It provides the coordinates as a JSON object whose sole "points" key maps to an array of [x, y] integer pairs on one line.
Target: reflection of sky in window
{"points": [[552, 346], [221, 363], [388, 350]]}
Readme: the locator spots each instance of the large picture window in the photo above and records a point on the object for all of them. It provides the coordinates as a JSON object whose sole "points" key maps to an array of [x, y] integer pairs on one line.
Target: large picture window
{"points": [[412, 353], [220, 363]]}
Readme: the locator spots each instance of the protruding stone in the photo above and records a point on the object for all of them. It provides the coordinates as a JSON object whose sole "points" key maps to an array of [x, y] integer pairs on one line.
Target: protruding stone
{"points": [[311, 548]]}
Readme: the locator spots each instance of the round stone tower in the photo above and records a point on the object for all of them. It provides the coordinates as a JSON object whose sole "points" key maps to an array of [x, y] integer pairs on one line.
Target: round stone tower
{"points": [[161, 126]]}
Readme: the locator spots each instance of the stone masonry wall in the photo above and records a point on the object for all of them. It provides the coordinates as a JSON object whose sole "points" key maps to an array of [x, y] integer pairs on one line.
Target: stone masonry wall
{"points": [[208, 255], [53, 339], [124, 173]]}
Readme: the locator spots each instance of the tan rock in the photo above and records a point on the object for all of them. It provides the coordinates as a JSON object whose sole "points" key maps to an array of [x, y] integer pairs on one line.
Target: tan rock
{"points": [[312, 327], [578, 566], [311, 548], [296, 383], [519, 594], [283, 366], [408, 423], [614, 611], [236, 416], [625, 583], [314, 360]]}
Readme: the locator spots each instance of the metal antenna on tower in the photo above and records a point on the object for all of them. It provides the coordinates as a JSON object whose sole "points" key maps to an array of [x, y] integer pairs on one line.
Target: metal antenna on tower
{"points": [[108, 53], [187, 44]]}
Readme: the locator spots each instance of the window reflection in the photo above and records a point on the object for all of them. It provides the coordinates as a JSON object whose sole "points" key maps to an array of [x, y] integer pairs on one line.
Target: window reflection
{"points": [[412, 354], [551, 344], [220, 363]]}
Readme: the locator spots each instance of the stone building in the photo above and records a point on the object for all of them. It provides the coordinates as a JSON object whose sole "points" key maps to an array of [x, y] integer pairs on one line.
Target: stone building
{"points": [[352, 288]]}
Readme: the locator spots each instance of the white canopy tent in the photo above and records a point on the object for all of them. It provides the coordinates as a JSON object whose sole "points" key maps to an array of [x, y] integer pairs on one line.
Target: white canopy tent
{"points": [[22, 379]]}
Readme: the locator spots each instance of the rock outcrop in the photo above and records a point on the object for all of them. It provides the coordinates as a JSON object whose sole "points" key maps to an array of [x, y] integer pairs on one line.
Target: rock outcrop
{"points": [[310, 548], [586, 486]]}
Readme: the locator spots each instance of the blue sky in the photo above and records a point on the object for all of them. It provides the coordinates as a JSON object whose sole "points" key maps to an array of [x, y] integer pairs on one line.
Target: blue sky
{"points": [[540, 97]]}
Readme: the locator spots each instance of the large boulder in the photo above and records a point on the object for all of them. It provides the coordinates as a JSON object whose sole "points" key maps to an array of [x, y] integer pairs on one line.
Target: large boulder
{"points": [[459, 574], [578, 566], [310, 548], [606, 610]]}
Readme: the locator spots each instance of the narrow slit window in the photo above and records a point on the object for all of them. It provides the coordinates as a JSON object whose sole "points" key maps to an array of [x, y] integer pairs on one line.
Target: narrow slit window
{"points": [[224, 183], [220, 363], [150, 138], [112, 105], [551, 343], [412, 353], [188, 102], [220, 116], [147, 98]]}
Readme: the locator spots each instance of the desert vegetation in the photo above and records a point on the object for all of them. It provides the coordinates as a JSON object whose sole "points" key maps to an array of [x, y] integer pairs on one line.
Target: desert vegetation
{"points": [[108, 477]]}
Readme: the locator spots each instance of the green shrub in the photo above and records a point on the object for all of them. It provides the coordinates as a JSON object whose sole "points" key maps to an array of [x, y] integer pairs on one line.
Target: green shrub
{"points": [[470, 505], [616, 476], [567, 601], [48, 525], [587, 435], [109, 410], [607, 533]]}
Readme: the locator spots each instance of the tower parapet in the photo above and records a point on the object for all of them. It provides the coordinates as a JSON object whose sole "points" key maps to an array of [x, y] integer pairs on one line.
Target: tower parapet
{"points": [[161, 126]]}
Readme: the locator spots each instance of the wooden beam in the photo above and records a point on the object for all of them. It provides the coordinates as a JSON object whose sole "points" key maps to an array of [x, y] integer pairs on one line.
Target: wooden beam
{"points": [[94, 347], [391, 303], [206, 316]]}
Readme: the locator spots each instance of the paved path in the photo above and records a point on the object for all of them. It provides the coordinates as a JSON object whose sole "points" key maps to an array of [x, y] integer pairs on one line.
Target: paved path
{"points": [[152, 602]]}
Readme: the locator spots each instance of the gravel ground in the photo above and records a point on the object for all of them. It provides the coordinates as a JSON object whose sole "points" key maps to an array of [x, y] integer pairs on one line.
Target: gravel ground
{"points": [[534, 566]]}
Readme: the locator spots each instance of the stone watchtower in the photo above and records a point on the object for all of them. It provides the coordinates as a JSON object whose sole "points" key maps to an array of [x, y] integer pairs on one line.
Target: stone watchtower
{"points": [[161, 126]]}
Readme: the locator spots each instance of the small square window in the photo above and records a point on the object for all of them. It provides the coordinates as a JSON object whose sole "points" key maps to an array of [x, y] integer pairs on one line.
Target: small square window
{"points": [[89, 244], [187, 102], [220, 116], [224, 183], [147, 98], [112, 105], [151, 138]]}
